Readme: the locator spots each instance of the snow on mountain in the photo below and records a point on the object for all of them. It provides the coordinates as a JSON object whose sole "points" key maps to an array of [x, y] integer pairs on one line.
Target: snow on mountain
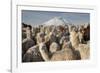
{"points": [[56, 21]]}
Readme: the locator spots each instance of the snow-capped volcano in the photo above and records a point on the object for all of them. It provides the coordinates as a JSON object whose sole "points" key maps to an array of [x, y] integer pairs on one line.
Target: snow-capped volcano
{"points": [[56, 21]]}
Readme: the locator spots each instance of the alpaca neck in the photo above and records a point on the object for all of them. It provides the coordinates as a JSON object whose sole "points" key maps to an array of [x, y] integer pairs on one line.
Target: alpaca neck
{"points": [[28, 34], [74, 38], [44, 53]]}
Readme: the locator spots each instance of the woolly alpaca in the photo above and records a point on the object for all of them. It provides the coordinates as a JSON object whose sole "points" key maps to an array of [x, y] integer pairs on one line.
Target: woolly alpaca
{"points": [[32, 55], [84, 49], [74, 38], [56, 56], [67, 44], [27, 42]]}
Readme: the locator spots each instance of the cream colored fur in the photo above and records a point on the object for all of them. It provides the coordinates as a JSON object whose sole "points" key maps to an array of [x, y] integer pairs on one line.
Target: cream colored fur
{"points": [[56, 56], [84, 49]]}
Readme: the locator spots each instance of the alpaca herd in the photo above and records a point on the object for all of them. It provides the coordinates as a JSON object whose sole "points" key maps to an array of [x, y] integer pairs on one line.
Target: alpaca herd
{"points": [[55, 43]]}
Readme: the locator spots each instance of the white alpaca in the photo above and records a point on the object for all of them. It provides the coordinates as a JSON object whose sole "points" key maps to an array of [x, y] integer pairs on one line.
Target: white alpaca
{"points": [[56, 56], [54, 47]]}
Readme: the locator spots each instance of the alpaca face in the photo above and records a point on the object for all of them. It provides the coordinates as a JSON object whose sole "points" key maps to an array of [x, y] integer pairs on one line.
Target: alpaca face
{"points": [[40, 37], [54, 47], [28, 32], [73, 28]]}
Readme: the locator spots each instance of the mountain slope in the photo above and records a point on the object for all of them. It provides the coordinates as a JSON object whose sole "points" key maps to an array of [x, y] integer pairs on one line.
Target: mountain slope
{"points": [[56, 21]]}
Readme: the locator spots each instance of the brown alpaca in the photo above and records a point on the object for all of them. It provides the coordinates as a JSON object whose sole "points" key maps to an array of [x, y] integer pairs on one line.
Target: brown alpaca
{"points": [[56, 56], [84, 49]]}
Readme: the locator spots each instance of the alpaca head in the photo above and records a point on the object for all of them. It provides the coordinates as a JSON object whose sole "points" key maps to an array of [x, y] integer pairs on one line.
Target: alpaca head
{"points": [[28, 31], [81, 29], [54, 47], [73, 29], [40, 37]]}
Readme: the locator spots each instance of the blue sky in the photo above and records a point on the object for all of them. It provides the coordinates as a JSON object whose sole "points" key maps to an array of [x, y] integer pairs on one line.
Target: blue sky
{"points": [[38, 17]]}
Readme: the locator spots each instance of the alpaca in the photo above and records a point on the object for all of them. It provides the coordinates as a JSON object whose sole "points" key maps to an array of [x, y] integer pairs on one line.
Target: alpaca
{"points": [[27, 42], [67, 44], [32, 55], [84, 49], [56, 56], [74, 38]]}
